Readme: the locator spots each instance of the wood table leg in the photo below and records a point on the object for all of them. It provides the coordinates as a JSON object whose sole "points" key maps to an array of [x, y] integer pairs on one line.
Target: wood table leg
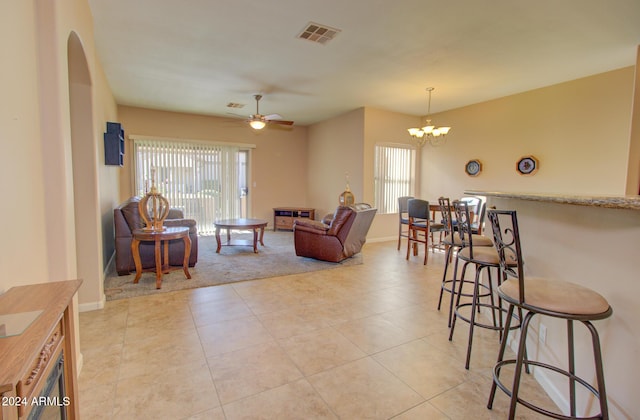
{"points": [[261, 235], [218, 240], [187, 254], [165, 262], [255, 240], [158, 254], [135, 250]]}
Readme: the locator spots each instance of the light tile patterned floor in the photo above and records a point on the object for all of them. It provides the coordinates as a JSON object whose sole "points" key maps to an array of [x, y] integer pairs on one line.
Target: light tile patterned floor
{"points": [[360, 342]]}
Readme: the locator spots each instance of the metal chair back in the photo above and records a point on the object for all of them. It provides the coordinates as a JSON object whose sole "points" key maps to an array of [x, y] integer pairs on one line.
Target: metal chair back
{"points": [[506, 238]]}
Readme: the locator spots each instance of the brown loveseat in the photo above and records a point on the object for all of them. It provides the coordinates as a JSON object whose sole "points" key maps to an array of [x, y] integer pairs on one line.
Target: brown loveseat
{"points": [[337, 238], [126, 218]]}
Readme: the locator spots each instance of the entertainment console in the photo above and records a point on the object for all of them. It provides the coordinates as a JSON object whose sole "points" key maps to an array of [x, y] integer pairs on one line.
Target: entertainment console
{"points": [[283, 217]]}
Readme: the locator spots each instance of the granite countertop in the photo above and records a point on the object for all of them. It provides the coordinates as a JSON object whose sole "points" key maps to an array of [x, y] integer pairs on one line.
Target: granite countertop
{"points": [[609, 201]]}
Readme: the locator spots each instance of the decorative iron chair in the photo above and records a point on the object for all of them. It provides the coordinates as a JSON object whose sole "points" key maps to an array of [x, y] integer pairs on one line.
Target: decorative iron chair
{"points": [[555, 298], [453, 243], [484, 258]]}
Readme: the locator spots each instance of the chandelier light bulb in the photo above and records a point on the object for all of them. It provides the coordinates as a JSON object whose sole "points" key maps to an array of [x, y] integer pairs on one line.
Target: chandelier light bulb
{"points": [[429, 132]]}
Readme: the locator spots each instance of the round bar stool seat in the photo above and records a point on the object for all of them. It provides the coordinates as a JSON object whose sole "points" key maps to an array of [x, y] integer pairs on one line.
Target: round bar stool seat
{"points": [[552, 297]]}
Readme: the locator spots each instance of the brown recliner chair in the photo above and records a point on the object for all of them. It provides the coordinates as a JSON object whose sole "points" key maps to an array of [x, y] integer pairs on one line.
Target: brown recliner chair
{"points": [[340, 238], [126, 218]]}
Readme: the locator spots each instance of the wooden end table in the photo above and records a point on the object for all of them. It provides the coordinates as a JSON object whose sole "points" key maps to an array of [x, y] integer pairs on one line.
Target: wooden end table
{"points": [[241, 224], [162, 264]]}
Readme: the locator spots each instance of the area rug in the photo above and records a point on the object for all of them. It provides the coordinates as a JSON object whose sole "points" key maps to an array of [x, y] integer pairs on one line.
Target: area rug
{"points": [[234, 263]]}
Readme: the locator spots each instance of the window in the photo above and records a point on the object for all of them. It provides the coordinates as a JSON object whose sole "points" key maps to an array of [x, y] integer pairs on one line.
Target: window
{"points": [[394, 175], [207, 181]]}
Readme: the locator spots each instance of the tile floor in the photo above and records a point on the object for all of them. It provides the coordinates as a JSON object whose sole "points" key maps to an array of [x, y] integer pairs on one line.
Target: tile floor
{"points": [[360, 342]]}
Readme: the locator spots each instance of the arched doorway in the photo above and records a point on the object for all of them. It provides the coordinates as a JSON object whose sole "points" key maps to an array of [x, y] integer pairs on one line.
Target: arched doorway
{"points": [[85, 179]]}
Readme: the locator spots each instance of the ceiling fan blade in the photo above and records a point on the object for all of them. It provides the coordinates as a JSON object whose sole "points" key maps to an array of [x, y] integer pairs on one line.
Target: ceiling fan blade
{"points": [[281, 122], [273, 117]]}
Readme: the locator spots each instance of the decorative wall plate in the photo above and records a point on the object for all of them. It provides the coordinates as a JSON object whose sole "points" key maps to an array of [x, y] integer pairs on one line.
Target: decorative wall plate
{"points": [[527, 165], [473, 167]]}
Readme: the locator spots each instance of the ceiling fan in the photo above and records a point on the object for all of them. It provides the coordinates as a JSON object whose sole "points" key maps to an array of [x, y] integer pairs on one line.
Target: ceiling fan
{"points": [[258, 121]]}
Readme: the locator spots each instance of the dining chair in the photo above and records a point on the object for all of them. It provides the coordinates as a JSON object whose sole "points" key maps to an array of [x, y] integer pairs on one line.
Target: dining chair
{"points": [[475, 204], [403, 218], [548, 297], [477, 225], [418, 215]]}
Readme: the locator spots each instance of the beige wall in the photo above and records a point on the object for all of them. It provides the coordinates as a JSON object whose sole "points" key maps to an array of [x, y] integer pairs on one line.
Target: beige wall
{"points": [[21, 171], [278, 162], [346, 144], [633, 175], [335, 149], [384, 127], [578, 130], [36, 116]]}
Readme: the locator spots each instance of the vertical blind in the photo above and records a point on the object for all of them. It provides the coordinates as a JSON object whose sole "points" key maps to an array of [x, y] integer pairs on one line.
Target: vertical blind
{"points": [[394, 175], [201, 179]]}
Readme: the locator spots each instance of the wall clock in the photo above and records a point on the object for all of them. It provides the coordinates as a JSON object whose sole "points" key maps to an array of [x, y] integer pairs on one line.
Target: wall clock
{"points": [[473, 167], [527, 165]]}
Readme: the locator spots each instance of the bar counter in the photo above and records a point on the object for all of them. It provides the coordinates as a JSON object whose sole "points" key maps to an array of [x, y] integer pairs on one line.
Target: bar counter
{"points": [[631, 202], [593, 241]]}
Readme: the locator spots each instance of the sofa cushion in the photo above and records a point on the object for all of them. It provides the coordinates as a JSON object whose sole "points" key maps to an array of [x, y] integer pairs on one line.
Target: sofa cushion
{"points": [[131, 214], [190, 223]]}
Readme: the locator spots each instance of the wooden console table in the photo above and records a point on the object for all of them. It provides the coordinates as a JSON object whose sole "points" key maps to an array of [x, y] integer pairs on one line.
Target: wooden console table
{"points": [[38, 349], [283, 217]]}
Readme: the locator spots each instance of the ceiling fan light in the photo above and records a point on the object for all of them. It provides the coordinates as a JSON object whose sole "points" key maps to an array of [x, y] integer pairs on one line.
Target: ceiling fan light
{"points": [[257, 124]]}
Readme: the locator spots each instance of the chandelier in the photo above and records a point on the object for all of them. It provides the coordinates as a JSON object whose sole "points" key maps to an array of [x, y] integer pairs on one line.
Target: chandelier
{"points": [[431, 134]]}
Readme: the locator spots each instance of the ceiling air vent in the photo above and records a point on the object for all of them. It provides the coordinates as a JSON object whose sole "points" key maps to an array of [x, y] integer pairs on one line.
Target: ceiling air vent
{"points": [[320, 34], [234, 105]]}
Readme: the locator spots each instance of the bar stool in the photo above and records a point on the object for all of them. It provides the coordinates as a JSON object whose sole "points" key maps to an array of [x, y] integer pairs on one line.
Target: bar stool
{"points": [[554, 298], [403, 218], [452, 243], [483, 258]]}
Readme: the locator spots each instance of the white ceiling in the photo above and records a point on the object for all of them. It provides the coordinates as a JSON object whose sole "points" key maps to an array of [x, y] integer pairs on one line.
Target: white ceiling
{"points": [[196, 56]]}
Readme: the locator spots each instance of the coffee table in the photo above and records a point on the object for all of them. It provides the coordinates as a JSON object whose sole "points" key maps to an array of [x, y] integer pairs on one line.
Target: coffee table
{"points": [[158, 237], [240, 224]]}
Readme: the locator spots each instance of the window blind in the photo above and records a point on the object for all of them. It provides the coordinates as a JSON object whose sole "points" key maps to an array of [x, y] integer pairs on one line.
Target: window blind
{"points": [[394, 174], [201, 179]]}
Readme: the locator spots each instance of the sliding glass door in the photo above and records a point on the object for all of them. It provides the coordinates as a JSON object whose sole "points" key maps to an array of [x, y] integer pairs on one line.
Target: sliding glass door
{"points": [[208, 182]]}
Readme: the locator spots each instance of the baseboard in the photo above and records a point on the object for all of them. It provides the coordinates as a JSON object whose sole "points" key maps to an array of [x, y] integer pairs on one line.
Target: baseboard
{"points": [[374, 240], [92, 306], [79, 362]]}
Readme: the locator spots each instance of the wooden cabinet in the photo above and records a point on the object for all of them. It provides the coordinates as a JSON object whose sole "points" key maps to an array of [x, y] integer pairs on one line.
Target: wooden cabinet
{"points": [[114, 144], [283, 217], [38, 368]]}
